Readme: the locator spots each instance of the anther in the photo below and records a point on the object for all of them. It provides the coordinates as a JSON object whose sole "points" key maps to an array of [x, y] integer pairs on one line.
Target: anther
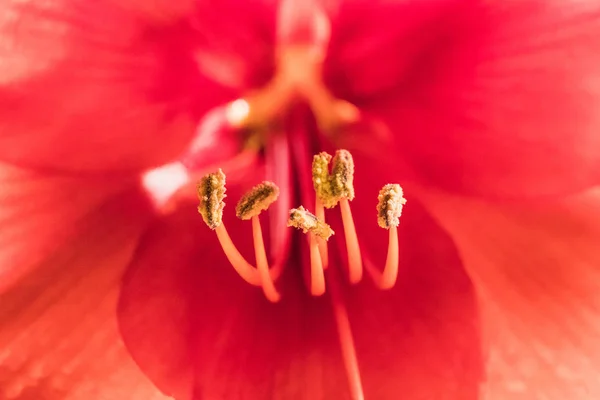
{"points": [[390, 205], [342, 176], [256, 200], [211, 192], [322, 179], [301, 218], [331, 188], [389, 209]]}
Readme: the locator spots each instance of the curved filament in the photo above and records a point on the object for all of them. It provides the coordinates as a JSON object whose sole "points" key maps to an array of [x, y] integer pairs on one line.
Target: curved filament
{"points": [[261, 261], [244, 269], [386, 279], [354, 257], [236, 259]]}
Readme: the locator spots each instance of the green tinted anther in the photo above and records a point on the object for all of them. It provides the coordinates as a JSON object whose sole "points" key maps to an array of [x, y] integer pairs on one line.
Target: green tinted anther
{"points": [[256, 200], [390, 205], [211, 192], [322, 179]]}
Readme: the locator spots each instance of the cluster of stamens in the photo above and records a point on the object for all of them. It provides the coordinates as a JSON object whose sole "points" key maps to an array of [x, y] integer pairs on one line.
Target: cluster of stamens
{"points": [[332, 189]]}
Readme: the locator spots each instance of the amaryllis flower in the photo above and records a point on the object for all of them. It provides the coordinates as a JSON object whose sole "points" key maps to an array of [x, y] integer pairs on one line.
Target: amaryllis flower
{"points": [[485, 112]]}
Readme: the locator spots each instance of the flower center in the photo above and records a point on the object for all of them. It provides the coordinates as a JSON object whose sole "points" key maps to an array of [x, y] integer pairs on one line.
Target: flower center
{"points": [[298, 77], [332, 188]]}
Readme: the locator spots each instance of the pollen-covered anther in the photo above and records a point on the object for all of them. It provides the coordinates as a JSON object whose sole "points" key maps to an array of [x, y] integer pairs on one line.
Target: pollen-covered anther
{"points": [[301, 218], [390, 205], [211, 192], [342, 175], [256, 200], [322, 179]]}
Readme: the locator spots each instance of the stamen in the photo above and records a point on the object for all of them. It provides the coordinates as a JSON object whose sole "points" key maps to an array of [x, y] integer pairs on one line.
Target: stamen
{"points": [[390, 205], [322, 180], [256, 200], [338, 188], [342, 179], [389, 209], [211, 192], [301, 218], [355, 269], [318, 231], [261, 262]]}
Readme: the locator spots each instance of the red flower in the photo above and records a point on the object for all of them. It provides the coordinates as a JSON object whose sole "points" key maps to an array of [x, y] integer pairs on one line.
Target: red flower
{"points": [[486, 113]]}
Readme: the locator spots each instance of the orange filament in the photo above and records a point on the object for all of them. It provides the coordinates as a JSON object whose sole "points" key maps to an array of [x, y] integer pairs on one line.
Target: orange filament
{"points": [[346, 340], [355, 269], [320, 213], [244, 269], [261, 262], [317, 275], [386, 279], [236, 259]]}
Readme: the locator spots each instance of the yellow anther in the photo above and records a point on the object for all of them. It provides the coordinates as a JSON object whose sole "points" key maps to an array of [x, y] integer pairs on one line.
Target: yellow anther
{"points": [[256, 200], [211, 192], [331, 188], [301, 218], [390, 205], [322, 179], [342, 176]]}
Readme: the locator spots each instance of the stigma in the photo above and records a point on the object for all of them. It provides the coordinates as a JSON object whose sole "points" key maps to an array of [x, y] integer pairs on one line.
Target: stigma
{"points": [[333, 178], [297, 77]]}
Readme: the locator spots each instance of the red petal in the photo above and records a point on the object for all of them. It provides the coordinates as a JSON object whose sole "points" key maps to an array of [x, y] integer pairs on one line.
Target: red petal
{"points": [[59, 337], [196, 328], [302, 23], [497, 98], [374, 44], [538, 273], [236, 42], [216, 142], [422, 337], [94, 86], [39, 214], [160, 11]]}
